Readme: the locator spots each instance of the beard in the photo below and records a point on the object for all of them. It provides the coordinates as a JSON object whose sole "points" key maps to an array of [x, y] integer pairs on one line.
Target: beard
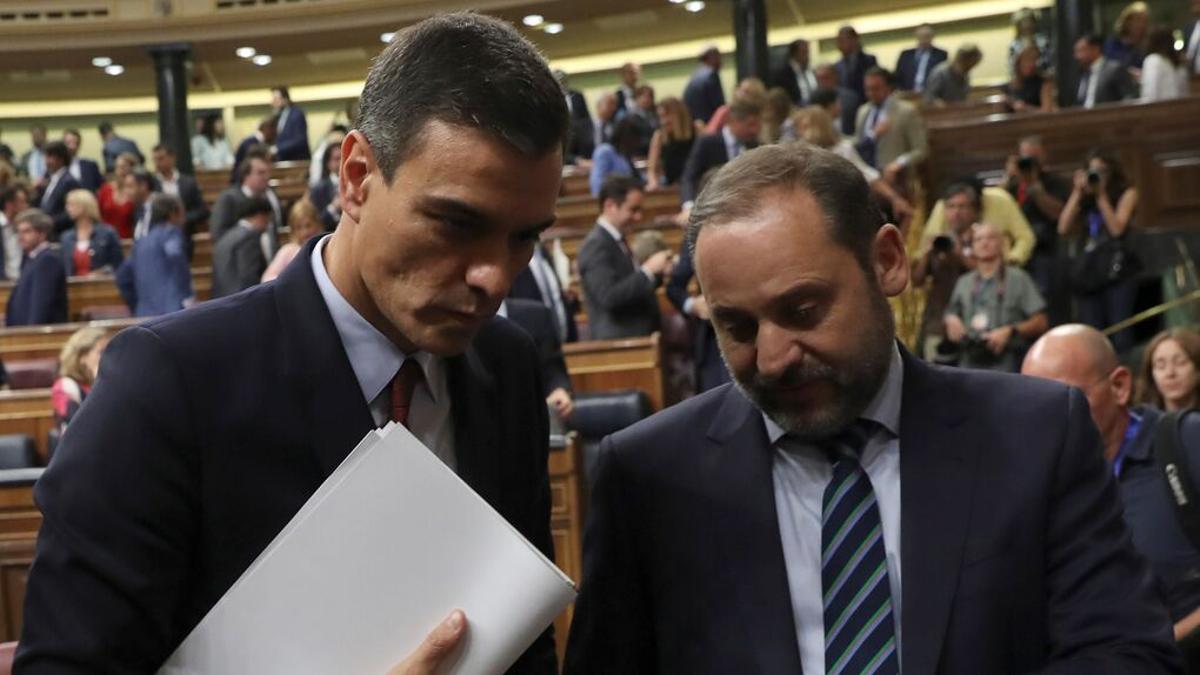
{"points": [[854, 384]]}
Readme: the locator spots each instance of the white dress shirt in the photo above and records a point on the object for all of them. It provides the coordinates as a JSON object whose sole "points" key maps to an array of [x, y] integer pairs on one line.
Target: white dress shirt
{"points": [[733, 147], [169, 186], [1089, 100], [1163, 80], [375, 360], [548, 287], [75, 170], [801, 472], [805, 80], [50, 185], [12, 249]]}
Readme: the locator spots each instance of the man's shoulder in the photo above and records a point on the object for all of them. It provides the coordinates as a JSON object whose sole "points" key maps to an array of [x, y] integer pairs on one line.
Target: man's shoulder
{"points": [[209, 329], [671, 430]]}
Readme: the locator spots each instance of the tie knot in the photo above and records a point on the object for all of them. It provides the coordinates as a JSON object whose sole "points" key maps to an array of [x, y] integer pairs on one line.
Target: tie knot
{"points": [[851, 441]]}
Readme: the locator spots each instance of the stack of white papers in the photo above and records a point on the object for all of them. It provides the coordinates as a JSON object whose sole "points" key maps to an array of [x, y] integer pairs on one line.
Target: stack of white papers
{"points": [[377, 557]]}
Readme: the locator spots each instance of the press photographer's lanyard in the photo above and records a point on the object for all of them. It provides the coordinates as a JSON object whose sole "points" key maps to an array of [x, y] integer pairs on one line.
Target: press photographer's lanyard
{"points": [[995, 311]]}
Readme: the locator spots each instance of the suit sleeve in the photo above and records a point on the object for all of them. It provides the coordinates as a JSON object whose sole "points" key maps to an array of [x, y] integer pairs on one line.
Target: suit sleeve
{"points": [[223, 217], [125, 284], [246, 258], [605, 287], [193, 201], [50, 276], [681, 276], [1104, 613], [611, 631], [693, 171], [120, 512], [914, 132], [297, 134]]}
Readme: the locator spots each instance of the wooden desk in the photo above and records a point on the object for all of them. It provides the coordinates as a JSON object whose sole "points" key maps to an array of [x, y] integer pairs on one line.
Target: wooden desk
{"points": [[582, 211], [41, 342], [1158, 144], [19, 523], [28, 412], [84, 292], [605, 365], [566, 521], [572, 237]]}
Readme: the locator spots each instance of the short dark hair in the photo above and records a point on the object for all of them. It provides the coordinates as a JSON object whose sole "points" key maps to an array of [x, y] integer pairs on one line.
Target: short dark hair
{"points": [[463, 69], [836, 185], [964, 188], [283, 92], [268, 121], [254, 206], [38, 219], [141, 175], [877, 71], [58, 149], [72, 132], [823, 97], [617, 188], [847, 30], [256, 151], [163, 147], [163, 206], [1092, 39], [8, 194], [105, 127], [794, 45]]}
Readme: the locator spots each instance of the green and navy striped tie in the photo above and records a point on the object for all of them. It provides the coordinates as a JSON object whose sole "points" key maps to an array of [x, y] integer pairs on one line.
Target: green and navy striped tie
{"points": [[860, 632]]}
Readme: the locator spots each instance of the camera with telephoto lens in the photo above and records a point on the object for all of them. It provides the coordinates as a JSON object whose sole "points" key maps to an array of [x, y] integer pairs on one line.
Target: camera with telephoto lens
{"points": [[1026, 163], [1094, 177], [943, 244]]}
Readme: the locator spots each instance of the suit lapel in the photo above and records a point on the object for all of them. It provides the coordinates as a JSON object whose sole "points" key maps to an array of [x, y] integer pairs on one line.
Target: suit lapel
{"points": [[937, 470], [476, 432], [318, 368], [745, 530]]}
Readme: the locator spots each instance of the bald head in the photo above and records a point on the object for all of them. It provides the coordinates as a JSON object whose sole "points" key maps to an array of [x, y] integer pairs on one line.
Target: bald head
{"points": [[1074, 354]]}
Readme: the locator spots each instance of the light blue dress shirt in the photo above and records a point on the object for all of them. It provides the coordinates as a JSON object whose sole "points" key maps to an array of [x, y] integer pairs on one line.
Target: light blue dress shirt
{"points": [[375, 360], [801, 472]]}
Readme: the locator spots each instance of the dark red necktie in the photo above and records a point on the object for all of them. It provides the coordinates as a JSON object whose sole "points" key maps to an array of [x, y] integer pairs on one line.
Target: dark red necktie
{"points": [[402, 390]]}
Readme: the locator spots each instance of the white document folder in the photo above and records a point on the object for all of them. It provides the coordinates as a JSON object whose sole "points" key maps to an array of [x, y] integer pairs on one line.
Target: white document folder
{"points": [[388, 545]]}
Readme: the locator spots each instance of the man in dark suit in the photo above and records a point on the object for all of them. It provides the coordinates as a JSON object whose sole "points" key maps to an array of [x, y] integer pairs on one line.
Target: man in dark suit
{"points": [[85, 171], [846, 507], [916, 64], [703, 93], [238, 260], [854, 63], [1100, 80], [539, 282], [1081, 356], [114, 145], [620, 297], [848, 100], [739, 134], [55, 185], [291, 142], [255, 182], [582, 139], [795, 75], [172, 182], [536, 319], [264, 136], [710, 370], [40, 295], [208, 429]]}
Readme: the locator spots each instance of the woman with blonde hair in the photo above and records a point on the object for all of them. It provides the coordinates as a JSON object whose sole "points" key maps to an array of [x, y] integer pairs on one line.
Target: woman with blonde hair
{"points": [[1127, 44], [814, 125], [671, 143], [750, 89], [116, 208], [1030, 90], [1169, 378], [305, 222], [90, 246], [78, 366]]}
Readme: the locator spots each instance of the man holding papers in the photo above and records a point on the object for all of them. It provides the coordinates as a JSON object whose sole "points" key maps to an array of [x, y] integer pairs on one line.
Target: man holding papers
{"points": [[845, 508], [209, 429]]}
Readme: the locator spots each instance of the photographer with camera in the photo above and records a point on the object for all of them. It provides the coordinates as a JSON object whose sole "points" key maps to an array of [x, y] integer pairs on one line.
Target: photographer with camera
{"points": [[1100, 210], [944, 258], [1041, 196], [995, 311]]}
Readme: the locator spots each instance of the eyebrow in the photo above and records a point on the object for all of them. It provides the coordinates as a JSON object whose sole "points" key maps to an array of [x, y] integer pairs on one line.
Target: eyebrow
{"points": [[460, 210]]}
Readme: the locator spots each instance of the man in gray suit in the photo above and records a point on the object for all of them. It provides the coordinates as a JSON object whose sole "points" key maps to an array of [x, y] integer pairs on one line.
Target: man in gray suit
{"points": [[1100, 80], [238, 258], [889, 132], [620, 297]]}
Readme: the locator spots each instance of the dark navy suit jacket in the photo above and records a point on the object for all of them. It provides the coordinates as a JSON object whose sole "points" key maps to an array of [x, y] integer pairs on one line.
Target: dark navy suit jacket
{"points": [[206, 432], [292, 142], [1014, 555], [851, 76], [90, 177], [706, 355], [54, 203], [708, 152], [703, 94], [40, 295], [104, 249], [907, 66]]}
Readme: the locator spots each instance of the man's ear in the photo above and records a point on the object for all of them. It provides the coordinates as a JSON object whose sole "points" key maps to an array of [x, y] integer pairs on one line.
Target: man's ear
{"points": [[889, 260], [357, 174]]}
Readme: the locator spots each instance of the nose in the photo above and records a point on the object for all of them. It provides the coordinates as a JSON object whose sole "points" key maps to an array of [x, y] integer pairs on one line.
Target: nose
{"points": [[777, 350]]}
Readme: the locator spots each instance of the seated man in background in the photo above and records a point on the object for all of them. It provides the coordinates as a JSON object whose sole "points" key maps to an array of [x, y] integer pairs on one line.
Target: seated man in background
{"points": [[951, 81], [620, 298], [1082, 357], [994, 206], [739, 134], [156, 278], [56, 185], [537, 320], [995, 310], [40, 295], [238, 260]]}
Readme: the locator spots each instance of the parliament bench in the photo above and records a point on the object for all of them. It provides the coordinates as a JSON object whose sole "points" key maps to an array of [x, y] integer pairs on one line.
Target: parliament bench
{"points": [[582, 211], [40, 342], [628, 363], [289, 180], [28, 412], [19, 523], [101, 291], [566, 521], [572, 236]]}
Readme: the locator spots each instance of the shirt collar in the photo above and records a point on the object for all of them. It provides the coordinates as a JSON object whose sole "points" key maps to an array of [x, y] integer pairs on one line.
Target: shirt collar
{"points": [[610, 229], [373, 357], [1097, 65], [884, 409]]}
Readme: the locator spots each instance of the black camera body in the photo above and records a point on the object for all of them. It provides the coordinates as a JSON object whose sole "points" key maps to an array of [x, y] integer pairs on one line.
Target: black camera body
{"points": [[943, 243], [1026, 163], [1094, 177]]}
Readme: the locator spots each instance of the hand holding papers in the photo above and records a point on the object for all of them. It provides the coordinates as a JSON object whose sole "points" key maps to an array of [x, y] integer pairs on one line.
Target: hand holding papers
{"points": [[383, 551]]}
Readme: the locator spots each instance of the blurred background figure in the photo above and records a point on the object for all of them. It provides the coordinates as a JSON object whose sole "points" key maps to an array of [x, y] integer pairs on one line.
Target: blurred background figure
{"points": [[78, 366], [305, 223], [1168, 376]]}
